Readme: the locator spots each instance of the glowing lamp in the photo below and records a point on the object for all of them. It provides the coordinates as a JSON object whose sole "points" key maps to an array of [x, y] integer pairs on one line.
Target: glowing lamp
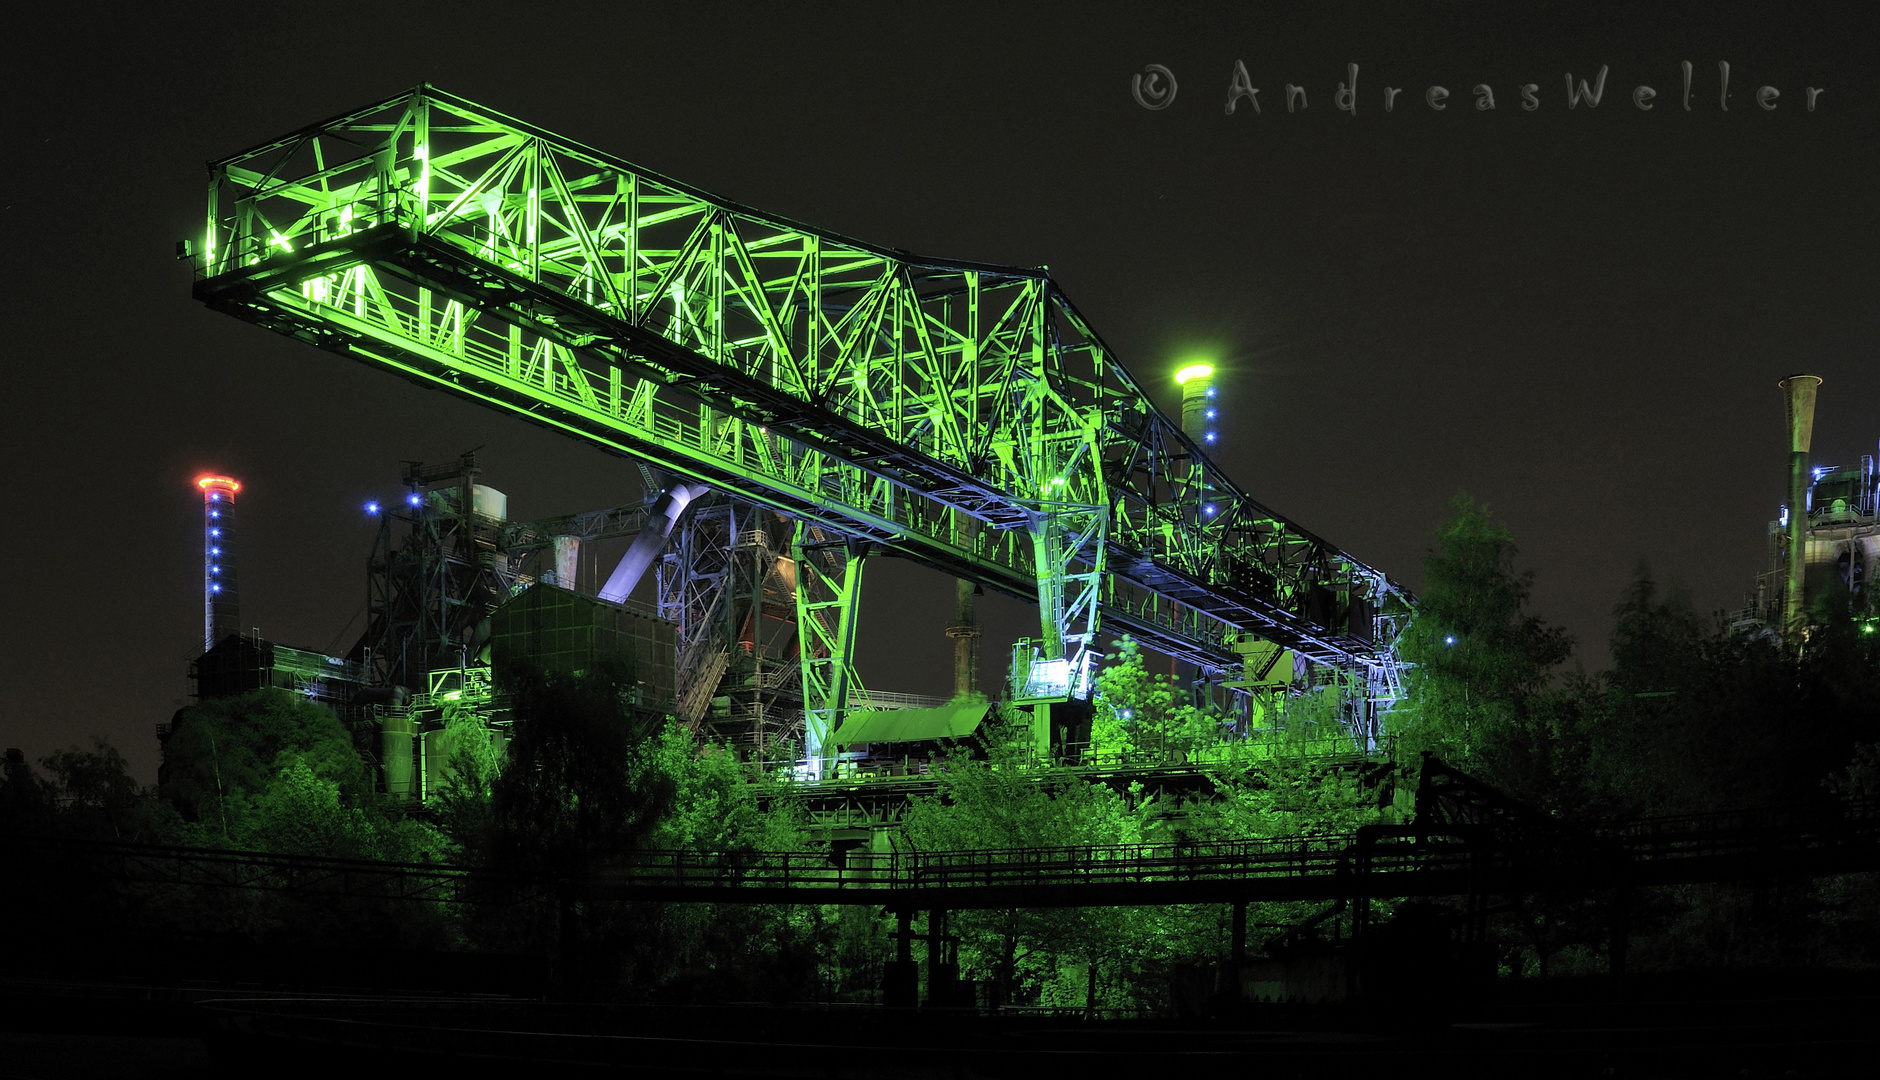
{"points": [[1197, 383], [218, 483]]}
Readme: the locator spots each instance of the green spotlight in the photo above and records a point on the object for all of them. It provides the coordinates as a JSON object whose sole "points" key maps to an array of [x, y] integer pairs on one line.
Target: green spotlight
{"points": [[1193, 371]]}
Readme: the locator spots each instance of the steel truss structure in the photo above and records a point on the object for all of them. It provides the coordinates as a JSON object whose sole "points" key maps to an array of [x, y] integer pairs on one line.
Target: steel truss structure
{"points": [[432, 583], [965, 415], [726, 583]]}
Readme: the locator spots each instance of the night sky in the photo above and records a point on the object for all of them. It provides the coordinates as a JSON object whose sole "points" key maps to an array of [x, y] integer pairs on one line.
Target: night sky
{"points": [[1578, 317]]}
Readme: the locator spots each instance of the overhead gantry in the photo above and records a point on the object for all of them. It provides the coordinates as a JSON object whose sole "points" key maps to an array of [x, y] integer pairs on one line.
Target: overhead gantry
{"points": [[963, 415]]}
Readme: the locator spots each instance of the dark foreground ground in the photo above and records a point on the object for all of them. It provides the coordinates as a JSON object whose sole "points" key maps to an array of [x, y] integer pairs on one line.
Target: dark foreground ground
{"points": [[1786, 1024]]}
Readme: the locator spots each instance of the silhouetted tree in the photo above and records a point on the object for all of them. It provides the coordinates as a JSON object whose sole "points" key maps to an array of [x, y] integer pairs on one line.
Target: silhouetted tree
{"points": [[98, 798], [585, 784], [23, 804], [1480, 661]]}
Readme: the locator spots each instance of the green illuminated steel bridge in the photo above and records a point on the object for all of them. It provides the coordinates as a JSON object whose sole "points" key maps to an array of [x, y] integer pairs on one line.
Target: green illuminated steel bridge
{"points": [[964, 415]]}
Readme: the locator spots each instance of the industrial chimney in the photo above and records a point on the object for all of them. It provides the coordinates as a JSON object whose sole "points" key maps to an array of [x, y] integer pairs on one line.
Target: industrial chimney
{"points": [[1199, 408], [1799, 395], [221, 601]]}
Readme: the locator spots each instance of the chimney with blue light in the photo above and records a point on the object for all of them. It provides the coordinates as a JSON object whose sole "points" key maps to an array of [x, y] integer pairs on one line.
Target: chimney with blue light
{"points": [[221, 607]]}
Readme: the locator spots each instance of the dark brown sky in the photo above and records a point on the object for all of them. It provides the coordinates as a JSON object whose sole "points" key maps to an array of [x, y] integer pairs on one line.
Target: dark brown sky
{"points": [[1576, 316]]}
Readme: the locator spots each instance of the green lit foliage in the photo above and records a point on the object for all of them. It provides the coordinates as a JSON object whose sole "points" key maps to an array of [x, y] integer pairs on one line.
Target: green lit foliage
{"points": [[1005, 801], [462, 804], [1000, 802], [1138, 714], [223, 752], [714, 808], [1287, 796], [1479, 659], [272, 771], [300, 812], [704, 952]]}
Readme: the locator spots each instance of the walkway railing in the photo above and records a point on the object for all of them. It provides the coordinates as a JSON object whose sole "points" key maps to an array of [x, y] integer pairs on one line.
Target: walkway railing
{"points": [[1395, 861]]}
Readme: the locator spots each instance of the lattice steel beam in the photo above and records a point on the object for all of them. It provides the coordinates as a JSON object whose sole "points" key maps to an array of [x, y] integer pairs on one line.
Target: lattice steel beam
{"points": [[828, 593], [856, 387]]}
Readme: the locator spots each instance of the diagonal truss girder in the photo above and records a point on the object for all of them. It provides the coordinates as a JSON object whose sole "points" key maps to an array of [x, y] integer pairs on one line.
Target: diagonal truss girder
{"points": [[859, 388]]}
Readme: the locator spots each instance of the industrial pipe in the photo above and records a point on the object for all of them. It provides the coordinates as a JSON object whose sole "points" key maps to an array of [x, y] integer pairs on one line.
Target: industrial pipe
{"points": [[651, 540], [1799, 396], [965, 629], [567, 560]]}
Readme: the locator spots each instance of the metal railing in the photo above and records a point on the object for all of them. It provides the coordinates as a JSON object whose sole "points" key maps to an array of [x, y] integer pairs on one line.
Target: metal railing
{"points": [[1240, 860], [1396, 861]]}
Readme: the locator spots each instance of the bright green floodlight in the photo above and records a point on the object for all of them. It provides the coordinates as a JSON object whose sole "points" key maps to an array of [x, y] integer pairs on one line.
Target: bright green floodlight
{"points": [[1193, 371]]}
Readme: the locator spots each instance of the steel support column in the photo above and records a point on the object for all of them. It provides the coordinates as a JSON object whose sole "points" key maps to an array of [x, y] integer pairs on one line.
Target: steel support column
{"points": [[828, 589]]}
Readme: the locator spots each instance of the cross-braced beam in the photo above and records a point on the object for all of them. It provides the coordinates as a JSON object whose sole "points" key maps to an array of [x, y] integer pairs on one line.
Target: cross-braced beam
{"points": [[828, 594], [874, 394]]}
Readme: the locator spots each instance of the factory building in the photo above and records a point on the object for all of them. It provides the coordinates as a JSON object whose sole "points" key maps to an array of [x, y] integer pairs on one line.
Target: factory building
{"points": [[458, 592], [1831, 520]]}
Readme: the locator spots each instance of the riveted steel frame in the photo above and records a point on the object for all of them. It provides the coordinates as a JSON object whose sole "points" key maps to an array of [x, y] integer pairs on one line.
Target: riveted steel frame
{"points": [[828, 595], [873, 393]]}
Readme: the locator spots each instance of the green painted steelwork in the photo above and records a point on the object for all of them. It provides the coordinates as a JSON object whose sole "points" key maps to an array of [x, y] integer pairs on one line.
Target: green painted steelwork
{"points": [[955, 720], [883, 397], [828, 596]]}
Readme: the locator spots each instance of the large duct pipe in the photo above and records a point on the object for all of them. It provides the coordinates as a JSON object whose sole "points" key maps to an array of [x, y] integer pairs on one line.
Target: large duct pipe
{"points": [[1799, 396], [395, 754], [965, 635], [965, 628], [567, 560], [651, 541]]}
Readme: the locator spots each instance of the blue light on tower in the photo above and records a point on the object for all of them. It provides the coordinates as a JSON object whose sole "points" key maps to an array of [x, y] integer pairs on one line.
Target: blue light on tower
{"points": [[221, 616], [1198, 411]]}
